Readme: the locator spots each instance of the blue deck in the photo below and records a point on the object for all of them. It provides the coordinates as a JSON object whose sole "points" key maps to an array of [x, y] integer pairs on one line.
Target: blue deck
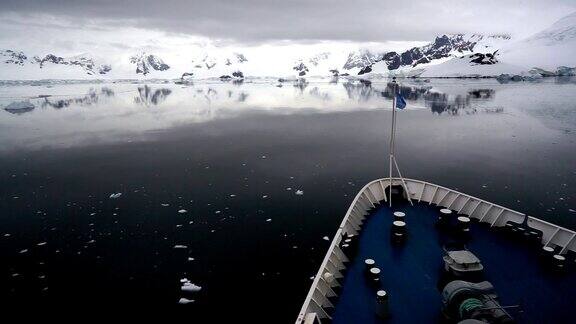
{"points": [[410, 273]]}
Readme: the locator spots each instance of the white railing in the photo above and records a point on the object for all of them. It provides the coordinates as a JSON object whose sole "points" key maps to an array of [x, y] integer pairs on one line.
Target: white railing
{"points": [[317, 301]]}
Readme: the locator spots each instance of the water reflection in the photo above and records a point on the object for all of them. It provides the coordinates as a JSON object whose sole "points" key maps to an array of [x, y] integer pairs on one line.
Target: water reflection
{"points": [[148, 96], [122, 111], [92, 97]]}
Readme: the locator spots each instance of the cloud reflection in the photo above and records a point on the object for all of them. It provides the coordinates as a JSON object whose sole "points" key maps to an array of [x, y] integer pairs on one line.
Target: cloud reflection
{"points": [[113, 112]]}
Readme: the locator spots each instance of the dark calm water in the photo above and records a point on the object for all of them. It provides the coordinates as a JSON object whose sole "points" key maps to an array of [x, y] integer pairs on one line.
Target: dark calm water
{"points": [[233, 156]]}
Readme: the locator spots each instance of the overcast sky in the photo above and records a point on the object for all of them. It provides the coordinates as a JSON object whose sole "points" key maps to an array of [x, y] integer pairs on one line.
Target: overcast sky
{"points": [[67, 23]]}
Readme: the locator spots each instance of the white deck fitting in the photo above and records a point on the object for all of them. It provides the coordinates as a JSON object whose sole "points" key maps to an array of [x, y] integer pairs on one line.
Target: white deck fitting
{"points": [[313, 309]]}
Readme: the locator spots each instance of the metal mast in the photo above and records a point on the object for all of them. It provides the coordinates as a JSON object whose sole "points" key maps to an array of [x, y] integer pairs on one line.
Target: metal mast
{"points": [[392, 158]]}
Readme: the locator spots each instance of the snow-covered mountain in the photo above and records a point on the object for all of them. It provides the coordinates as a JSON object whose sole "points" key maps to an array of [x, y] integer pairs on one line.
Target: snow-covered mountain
{"points": [[418, 59], [145, 63], [19, 64], [217, 64], [549, 52]]}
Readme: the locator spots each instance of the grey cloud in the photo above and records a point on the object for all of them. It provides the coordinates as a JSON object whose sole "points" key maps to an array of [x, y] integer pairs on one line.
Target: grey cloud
{"points": [[255, 21]]}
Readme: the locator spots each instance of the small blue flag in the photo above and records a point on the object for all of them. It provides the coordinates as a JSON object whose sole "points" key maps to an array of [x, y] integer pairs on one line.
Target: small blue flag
{"points": [[400, 102]]}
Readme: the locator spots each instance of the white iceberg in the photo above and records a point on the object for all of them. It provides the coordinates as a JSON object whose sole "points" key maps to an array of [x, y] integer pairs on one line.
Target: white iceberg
{"points": [[19, 106], [184, 301], [115, 195], [190, 287]]}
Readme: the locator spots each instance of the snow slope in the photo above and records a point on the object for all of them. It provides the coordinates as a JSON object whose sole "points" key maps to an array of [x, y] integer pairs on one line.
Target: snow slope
{"points": [[462, 67], [548, 50]]}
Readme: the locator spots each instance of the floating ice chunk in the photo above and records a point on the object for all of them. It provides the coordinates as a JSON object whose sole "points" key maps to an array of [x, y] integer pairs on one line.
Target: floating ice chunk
{"points": [[20, 106], [23, 251], [180, 246], [289, 189], [299, 192], [265, 196], [115, 195], [263, 156], [190, 259], [217, 212], [569, 209], [165, 205], [184, 301], [41, 244], [269, 220], [7, 235], [326, 238], [183, 280], [232, 196], [91, 241], [190, 287], [182, 211]]}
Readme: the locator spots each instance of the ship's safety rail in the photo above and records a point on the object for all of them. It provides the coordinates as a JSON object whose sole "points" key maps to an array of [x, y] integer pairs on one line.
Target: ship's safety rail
{"points": [[317, 303]]}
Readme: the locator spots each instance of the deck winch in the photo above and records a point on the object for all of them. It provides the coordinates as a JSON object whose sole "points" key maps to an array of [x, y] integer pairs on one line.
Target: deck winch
{"points": [[464, 300]]}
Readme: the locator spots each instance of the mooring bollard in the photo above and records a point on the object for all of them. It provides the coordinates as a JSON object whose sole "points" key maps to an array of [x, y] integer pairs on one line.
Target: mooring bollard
{"points": [[374, 276], [368, 264], [464, 223], [547, 255], [382, 309], [559, 261], [399, 216], [398, 231], [444, 215], [534, 237]]}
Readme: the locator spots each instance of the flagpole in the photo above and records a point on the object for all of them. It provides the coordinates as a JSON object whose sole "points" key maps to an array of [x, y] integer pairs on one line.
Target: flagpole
{"points": [[392, 131]]}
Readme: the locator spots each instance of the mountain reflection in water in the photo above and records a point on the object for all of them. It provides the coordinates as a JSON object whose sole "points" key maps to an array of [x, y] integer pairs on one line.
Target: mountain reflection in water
{"points": [[116, 108]]}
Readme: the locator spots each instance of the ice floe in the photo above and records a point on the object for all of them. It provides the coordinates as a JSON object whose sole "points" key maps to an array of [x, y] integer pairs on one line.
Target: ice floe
{"points": [[190, 287], [184, 301], [299, 192], [20, 106], [115, 195], [180, 246], [182, 211], [326, 238]]}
